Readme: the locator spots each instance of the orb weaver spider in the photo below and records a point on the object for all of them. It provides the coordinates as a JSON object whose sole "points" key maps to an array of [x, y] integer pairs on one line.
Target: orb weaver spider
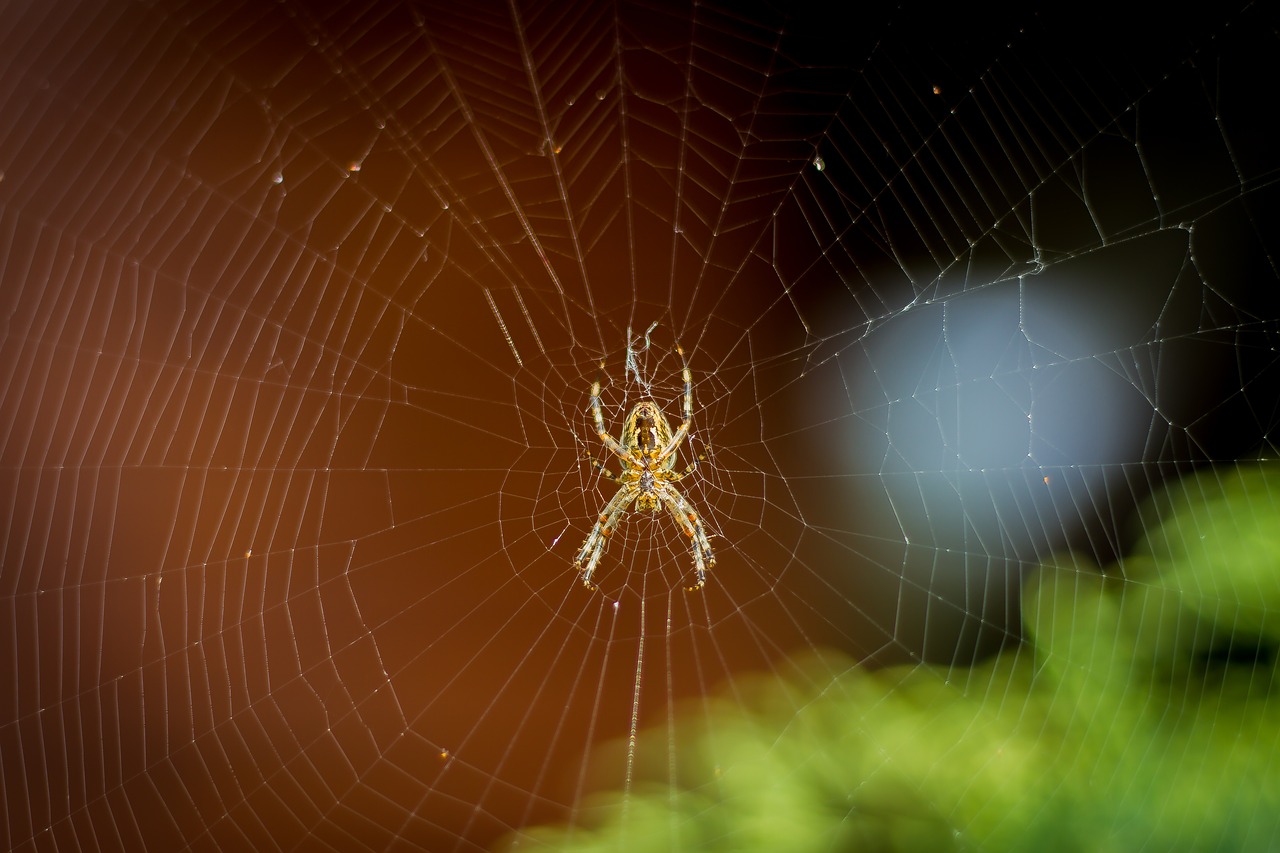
{"points": [[647, 454]]}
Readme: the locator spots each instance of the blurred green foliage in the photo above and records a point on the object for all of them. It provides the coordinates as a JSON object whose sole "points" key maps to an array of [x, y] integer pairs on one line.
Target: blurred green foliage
{"points": [[1137, 714]]}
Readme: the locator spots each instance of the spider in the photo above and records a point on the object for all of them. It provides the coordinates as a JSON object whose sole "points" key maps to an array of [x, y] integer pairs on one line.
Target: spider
{"points": [[647, 454]]}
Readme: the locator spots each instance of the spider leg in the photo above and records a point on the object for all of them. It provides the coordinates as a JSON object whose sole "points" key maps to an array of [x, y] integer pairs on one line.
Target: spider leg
{"points": [[609, 475], [672, 476], [679, 434], [593, 548], [682, 511], [609, 441]]}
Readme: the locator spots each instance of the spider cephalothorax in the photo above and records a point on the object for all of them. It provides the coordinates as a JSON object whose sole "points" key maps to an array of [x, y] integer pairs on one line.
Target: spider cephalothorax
{"points": [[647, 453]]}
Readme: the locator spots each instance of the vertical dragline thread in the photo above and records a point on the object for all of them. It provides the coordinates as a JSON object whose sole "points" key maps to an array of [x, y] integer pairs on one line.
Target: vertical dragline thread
{"points": [[635, 715]]}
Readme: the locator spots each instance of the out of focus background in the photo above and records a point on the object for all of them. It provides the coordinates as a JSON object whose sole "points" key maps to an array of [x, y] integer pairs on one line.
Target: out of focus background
{"points": [[300, 308]]}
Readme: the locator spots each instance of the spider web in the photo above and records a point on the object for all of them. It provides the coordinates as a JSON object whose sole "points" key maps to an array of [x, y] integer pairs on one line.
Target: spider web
{"points": [[302, 304]]}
